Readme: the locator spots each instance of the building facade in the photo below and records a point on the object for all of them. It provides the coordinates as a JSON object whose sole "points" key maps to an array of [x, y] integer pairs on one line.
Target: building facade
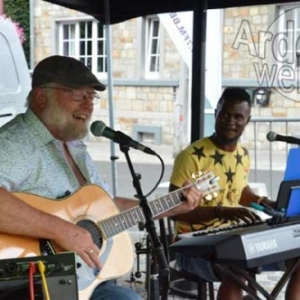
{"points": [[261, 53], [151, 80]]}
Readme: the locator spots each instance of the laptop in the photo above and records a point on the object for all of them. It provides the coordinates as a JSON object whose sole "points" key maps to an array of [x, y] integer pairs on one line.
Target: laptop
{"points": [[288, 197]]}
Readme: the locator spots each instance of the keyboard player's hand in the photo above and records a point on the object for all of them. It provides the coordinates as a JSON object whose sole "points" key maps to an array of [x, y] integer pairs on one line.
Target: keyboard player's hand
{"points": [[265, 201], [238, 214]]}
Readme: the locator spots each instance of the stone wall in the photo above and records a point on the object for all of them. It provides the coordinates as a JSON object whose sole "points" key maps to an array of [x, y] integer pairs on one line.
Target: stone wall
{"points": [[245, 53], [153, 105], [237, 61], [149, 105], [139, 105]]}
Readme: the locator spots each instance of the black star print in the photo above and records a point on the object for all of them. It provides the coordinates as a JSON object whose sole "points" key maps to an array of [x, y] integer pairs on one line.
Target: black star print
{"points": [[246, 153], [217, 158], [238, 159], [199, 152], [229, 175]]}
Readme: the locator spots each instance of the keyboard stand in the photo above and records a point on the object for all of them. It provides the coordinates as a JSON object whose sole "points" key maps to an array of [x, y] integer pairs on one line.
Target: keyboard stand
{"points": [[285, 277], [253, 287], [235, 274]]}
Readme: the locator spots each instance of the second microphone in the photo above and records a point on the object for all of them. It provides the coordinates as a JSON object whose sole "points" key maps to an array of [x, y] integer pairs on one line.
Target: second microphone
{"points": [[98, 128], [272, 136]]}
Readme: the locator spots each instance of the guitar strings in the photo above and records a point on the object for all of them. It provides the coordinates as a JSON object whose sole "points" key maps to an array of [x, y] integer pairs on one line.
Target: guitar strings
{"points": [[95, 230]]}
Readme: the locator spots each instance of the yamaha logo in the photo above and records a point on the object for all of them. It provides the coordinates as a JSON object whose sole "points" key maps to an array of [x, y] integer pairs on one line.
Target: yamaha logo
{"points": [[262, 246]]}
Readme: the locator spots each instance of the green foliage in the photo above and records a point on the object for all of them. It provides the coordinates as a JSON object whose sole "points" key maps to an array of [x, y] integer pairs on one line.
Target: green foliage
{"points": [[18, 10]]}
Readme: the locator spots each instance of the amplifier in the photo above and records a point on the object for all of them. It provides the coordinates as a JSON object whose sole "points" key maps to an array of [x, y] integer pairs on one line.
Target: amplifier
{"points": [[60, 274]]}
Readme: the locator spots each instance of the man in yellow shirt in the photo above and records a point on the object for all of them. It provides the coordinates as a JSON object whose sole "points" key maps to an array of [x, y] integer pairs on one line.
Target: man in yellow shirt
{"points": [[222, 154]]}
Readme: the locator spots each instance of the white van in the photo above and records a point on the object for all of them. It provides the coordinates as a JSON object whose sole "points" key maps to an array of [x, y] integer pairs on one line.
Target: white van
{"points": [[15, 78]]}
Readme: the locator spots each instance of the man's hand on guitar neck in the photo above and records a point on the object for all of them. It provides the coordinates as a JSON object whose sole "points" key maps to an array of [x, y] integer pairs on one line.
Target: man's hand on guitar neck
{"points": [[191, 199]]}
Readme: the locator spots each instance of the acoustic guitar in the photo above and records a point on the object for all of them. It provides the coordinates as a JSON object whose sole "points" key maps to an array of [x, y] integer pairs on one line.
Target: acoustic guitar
{"points": [[86, 208]]}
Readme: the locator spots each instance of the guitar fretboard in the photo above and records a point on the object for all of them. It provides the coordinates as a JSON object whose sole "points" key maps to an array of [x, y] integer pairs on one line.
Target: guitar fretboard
{"points": [[132, 217], [129, 218]]}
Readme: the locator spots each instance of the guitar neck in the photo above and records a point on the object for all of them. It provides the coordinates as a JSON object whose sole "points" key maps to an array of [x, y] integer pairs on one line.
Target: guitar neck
{"points": [[134, 216], [207, 183]]}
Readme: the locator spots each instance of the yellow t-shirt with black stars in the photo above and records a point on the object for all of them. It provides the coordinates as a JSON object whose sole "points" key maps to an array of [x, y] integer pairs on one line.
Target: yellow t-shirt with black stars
{"points": [[232, 168]]}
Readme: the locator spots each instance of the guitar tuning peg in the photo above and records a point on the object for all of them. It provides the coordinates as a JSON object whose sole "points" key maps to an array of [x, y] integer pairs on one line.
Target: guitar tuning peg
{"points": [[214, 180], [197, 174], [215, 194], [208, 197]]}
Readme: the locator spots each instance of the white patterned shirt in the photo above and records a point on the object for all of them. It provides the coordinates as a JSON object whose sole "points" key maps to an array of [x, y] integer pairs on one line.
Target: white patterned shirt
{"points": [[32, 161]]}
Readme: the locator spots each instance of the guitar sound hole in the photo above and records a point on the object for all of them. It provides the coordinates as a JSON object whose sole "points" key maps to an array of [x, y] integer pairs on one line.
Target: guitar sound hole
{"points": [[93, 229]]}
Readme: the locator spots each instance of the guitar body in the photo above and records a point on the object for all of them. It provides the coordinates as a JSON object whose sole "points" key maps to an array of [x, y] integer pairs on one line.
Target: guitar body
{"points": [[92, 208], [86, 207]]}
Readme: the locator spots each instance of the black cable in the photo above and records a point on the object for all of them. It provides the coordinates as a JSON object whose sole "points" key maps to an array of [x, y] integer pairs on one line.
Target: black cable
{"points": [[161, 175]]}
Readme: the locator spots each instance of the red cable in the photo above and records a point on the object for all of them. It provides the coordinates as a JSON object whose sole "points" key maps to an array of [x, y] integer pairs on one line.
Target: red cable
{"points": [[32, 270]]}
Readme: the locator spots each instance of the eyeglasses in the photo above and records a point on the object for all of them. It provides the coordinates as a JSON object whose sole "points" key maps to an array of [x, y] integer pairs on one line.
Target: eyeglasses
{"points": [[78, 95]]}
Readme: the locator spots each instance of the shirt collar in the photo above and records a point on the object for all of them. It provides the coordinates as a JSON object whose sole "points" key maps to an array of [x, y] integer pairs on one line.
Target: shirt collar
{"points": [[38, 128]]}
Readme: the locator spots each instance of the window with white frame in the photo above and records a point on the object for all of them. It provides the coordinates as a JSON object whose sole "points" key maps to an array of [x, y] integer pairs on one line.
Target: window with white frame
{"points": [[86, 41], [289, 28], [152, 55]]}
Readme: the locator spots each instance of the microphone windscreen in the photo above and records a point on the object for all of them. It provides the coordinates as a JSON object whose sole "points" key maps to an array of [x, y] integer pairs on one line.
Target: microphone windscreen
{"points": [[271, 136], [97, 128]]}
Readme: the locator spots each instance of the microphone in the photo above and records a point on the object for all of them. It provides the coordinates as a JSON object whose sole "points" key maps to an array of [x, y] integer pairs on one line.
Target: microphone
{"points": [[272, 136], [98, 128]]}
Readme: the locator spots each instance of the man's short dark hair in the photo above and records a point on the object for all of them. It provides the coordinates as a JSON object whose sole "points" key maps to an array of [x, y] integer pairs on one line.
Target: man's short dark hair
{"points": [[235, 93]]}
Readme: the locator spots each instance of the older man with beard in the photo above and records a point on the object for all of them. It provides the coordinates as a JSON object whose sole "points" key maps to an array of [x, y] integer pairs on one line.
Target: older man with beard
{"points": [[42, 153]]}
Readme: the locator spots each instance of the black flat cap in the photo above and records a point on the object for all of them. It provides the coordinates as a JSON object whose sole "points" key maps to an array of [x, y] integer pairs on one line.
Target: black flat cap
{"points": [[64, 70]]}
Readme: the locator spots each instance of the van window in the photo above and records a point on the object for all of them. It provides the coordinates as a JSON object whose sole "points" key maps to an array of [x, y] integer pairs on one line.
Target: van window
{"points": [[14, 73], [9, 81]]}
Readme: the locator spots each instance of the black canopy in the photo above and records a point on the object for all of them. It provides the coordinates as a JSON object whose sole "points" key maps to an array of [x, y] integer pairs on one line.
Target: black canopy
{"points": [[122, 10]]}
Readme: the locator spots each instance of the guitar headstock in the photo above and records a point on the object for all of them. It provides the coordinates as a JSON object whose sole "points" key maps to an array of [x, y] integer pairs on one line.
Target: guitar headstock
{"points": [[207, 182]]}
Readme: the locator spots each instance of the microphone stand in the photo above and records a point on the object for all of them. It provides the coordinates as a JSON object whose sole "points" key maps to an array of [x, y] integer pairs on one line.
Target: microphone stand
{"points": [[157, 250]]}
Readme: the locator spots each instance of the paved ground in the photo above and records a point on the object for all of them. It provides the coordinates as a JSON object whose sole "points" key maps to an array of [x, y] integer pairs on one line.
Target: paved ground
{"points": [[150, 168]]}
